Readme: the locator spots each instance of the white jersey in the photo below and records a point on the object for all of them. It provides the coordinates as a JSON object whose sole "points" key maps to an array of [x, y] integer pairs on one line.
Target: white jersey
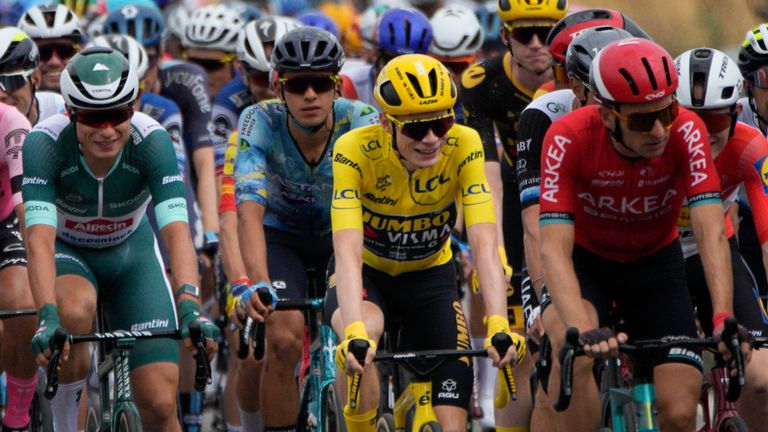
{"points": [[361, 75], [48, 104]]}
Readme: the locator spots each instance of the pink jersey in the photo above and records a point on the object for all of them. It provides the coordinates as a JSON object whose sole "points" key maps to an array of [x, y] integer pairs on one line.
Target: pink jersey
{"points": [[623, 209], [14, 127]]}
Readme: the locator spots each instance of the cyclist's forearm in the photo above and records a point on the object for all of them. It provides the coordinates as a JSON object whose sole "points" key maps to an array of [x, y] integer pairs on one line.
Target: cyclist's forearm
{"points": [[229, 246], [181, 253], [531, 241], [41, 263], [560, 274], [253, 244], [206, 187], [493, 175], [348, 253], [490, 273], [712, 243]]}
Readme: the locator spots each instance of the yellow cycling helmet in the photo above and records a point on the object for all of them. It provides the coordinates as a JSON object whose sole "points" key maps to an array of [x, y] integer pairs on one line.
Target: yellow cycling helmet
{"points": [[414, 84], [513, 10]]}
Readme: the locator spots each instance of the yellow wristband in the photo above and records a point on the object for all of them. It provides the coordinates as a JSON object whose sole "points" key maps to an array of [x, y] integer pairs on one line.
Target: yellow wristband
{"points": [[355, 329], [496, 323]]}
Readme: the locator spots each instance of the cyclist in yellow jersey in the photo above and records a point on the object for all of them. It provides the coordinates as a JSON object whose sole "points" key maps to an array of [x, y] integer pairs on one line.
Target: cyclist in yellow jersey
{"points": [[397, 189]]}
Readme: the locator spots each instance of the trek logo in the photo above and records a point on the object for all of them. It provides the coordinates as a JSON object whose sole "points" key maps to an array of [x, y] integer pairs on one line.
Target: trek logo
{"points": [[99, 226], [346, 194], [430, 185]]}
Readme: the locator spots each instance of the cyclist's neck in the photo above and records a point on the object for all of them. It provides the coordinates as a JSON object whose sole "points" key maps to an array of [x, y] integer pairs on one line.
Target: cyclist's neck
{"points": [[526, 80]]}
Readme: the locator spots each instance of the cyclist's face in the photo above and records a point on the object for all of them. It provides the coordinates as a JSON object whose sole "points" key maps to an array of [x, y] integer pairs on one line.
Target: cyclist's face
{"points": [[313, 106], [219, 68], [533, 55], [22, 97], [101, 146], [644, 144], [415, 153], [54, 56]]}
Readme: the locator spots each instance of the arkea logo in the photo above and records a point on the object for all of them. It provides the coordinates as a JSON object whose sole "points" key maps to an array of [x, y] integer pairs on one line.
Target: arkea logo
{"points": [[99, 226]]}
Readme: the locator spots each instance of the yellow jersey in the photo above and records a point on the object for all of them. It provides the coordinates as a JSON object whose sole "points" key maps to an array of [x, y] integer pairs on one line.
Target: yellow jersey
{"points": [[407, 219]]}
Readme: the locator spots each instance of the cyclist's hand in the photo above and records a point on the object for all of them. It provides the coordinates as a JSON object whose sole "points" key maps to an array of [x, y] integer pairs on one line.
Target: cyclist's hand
{"points": [[515, 354], [345, 359], [743, 334], [251, 304], [234, 291], [189, 311], [48, 322], [210, 243], [601, 342]]}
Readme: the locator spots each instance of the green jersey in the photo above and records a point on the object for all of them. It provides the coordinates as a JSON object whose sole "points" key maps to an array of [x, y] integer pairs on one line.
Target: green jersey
{"points": [[59, 189]]}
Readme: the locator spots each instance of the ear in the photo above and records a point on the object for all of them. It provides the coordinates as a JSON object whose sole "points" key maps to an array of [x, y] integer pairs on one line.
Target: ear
{"points": [[386, 124], [36, 76], [739, 108], [607, 116], [504, 36], [577, 87], [340, 86]]}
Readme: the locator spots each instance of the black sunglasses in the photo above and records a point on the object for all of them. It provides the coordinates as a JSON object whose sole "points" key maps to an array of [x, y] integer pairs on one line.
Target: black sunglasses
{"points": [[13, 82], [525, 35], [418, 129], [63, 50], [299, 85]]}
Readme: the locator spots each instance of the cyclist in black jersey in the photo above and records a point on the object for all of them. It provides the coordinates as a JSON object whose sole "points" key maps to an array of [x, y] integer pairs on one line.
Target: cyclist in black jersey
{"points": [[510, 81]]}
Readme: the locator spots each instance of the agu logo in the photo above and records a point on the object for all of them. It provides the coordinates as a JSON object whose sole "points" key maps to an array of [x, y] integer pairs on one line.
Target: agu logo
{"points": [[762, 170]]}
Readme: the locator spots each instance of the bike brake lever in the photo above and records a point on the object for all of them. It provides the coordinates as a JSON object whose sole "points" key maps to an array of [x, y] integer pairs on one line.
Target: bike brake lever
{"points": [[52, 374]]}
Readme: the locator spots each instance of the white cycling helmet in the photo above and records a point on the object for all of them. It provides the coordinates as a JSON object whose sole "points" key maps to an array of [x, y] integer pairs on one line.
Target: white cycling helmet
{"points": [[214, 27], [176, 19], [456, 32], [99, 78], [250, 43], [128, 47], [50, 22], [717, 73]]}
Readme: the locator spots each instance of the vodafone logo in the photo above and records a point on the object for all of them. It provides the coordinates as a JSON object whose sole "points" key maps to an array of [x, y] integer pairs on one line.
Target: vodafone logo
{"points": [[98, 226]]}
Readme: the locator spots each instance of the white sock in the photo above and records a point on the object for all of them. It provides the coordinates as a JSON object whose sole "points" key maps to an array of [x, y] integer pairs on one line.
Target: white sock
{"points": [[234, 428], [64, 405], [251, 421]]}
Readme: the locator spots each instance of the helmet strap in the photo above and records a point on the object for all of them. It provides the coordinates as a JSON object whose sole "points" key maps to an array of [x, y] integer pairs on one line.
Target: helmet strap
{"points": [[617, 135]]}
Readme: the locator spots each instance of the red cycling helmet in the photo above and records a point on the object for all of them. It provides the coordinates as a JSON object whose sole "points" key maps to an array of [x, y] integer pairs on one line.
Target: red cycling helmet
{"points": [[567, 28], [633, 70]]}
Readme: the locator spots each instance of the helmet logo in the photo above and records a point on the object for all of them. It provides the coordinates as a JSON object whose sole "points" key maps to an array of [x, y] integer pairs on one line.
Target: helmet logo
{"points": [[654, 96], [129, 12], [100, 67], [630, 41]]}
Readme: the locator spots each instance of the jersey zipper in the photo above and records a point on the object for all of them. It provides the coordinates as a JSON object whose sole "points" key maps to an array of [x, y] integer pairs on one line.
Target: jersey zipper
{"points": [[101, 197]]}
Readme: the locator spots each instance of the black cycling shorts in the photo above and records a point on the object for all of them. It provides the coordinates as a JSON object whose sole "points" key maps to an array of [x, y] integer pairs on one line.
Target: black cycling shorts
{"points": [[650, 295], [12, 250], [288, 258], [747, 306], [513, 242], [426, 305]]}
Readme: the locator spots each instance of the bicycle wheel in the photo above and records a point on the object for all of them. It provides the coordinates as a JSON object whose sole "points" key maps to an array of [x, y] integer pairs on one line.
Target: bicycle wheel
{"points": [[91, 421], [302, 418], [333, 412], [431, 427], [128, 421], [733, 424], [386, 423]]}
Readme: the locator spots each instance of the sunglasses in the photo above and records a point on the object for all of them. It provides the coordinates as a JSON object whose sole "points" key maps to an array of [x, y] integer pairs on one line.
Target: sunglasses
{"points": [[525, 35], [299, 85], [418, 129], [644, 121], [559, 72], [717, 122], [212, 65], [103, 119], [257, 77], [759, 78], [12, 82], [63, 50]]}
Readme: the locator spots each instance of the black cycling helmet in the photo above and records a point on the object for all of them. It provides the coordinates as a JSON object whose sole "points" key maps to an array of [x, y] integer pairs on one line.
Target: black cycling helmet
{"points": [[585, 47], [307, 49], [753, 53], [17, 51]]}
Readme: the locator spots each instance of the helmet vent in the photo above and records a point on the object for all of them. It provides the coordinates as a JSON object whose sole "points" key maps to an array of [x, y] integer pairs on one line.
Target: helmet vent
{"points": [[698, 80], [649, 71], [389, 94], [49, 17], [630, 81], [305, 50], [727, 93], [407, 32], [290, 50], [415, 84], [667, 73]]}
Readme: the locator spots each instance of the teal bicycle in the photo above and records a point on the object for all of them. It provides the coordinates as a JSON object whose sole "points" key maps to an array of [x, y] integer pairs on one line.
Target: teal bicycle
{"points": [[629, 406]]}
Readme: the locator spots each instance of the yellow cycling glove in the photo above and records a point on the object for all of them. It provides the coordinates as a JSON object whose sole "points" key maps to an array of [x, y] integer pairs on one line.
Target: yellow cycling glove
{"points": [[355, 330], [499, 324]]}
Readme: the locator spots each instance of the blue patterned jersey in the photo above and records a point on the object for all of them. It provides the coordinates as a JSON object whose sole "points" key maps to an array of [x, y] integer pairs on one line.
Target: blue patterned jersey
{"points": [[231, 100], [271, 170]]}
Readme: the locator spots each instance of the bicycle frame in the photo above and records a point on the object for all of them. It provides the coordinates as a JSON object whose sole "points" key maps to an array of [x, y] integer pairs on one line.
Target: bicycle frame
{"points": [[322, 373], [116, 361], [643, 397], [417, 395]]}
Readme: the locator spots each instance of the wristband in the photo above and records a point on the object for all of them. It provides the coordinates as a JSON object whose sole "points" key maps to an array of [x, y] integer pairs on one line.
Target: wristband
{"points": [[718, 319], [496, 324], [355, 329], [188, 289]]}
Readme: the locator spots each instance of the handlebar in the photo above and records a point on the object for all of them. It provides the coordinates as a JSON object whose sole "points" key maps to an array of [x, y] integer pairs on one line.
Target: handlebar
{"points": [[359, 349], [502, 342], [730, 337]]}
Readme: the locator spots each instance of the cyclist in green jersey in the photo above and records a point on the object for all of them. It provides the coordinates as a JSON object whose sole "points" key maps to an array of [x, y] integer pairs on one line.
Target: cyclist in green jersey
{"points": [[89, 178]]}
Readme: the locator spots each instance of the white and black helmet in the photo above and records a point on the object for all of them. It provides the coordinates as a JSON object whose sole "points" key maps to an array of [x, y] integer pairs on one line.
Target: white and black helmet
{"points": [[250, 43], [51, 21], [214, 27], [18, 53], [128, 47], [456, 32], [716, 73], [99, 78]]}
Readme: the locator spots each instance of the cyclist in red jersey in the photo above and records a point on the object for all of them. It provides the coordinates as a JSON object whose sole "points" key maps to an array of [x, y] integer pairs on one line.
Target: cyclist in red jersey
{"points": [[709, 86], [614, 178]]}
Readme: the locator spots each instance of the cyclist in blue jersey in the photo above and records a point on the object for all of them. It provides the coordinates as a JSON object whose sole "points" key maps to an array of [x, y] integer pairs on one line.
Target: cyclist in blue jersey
{"points": [[89, 178], [283, 184]]}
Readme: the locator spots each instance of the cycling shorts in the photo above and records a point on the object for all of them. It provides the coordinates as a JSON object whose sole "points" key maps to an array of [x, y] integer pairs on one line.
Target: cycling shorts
{"points": [[747, 306], [288, 258], [650, 295], [426, 305], [12, 250], [130, 280], [513, 242]]}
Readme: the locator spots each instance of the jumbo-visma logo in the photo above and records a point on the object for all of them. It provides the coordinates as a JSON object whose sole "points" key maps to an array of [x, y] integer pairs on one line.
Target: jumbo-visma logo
{"points": [[761, 166]]}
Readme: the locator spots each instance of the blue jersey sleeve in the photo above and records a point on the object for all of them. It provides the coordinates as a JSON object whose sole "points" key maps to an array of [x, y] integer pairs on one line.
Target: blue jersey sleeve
{"points": [[254, 136]]}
